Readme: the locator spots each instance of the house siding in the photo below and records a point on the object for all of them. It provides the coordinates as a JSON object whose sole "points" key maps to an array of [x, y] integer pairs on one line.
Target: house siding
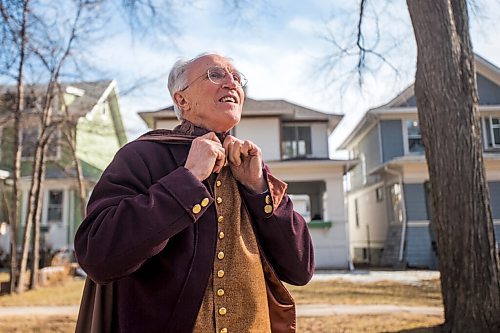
{"points": [[369, 147], [319, 140], [415, 202], [495, 199], [392, 139], [489, 92], [419, 251]]}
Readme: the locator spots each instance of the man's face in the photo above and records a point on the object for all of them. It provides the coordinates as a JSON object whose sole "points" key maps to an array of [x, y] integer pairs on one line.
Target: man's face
{"points": [[216, 107]]}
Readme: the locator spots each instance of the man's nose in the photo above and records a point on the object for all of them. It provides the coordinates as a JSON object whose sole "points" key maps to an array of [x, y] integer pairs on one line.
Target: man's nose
{"points": [[229, 81]]}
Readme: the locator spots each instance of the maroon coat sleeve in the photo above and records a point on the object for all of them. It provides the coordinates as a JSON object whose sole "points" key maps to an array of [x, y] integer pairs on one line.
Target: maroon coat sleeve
{"points": [[282, 233], [142, 199]]}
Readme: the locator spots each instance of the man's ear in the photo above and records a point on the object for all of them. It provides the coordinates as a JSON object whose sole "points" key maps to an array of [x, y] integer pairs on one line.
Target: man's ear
{"points": [[181, 101]]}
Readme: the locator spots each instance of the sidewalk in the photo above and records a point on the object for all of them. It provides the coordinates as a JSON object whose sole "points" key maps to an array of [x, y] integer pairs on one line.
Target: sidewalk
{"points": [[303, 310]]}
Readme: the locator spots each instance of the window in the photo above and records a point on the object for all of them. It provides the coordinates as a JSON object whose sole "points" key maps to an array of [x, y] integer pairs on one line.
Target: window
{"points": [[396, 203], [302, 205], [415, 144], [55, 206], [356, 212], [296, 141], [379, 192], [492, 132], [30, 137]]}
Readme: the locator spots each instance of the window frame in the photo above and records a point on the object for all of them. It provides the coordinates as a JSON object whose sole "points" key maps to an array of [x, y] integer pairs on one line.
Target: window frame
{"points": [[295, 150], [407, 136], [54, 139], [489, 131], [49, 221]]}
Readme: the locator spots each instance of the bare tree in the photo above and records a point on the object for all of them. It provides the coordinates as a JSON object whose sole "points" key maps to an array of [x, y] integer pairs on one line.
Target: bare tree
{"points": [[14, 33], [51, 43], [447, 100]]}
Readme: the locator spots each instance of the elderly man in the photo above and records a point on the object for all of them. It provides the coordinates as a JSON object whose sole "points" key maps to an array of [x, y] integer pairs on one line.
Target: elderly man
{"points": [[187, 230]]}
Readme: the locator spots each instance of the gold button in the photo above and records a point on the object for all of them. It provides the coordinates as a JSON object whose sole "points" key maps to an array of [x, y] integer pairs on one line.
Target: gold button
{"points": [[219, 200], [220, 218], [220, 292], [268, 209], [222, 311], [223, 330], [221, 234], [268, 199], [218, 183], [220, 255], [220, 273], [196, 208], [204, 202]]}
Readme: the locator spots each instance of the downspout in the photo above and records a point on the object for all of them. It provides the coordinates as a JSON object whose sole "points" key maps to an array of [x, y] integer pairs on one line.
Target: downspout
{"points": [[403, 208]]}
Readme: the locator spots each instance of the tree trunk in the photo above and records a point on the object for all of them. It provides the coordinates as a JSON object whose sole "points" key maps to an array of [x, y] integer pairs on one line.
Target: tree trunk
{"points": [[31, 209], [447, 102], [70, 135], [16, 162], [37, 214]]}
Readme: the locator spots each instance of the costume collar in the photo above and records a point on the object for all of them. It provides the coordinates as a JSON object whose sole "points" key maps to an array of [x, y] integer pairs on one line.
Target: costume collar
{"points": [[188, 128], [182, 135]]}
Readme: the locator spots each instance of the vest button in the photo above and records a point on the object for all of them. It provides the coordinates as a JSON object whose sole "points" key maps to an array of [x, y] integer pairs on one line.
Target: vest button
{"points": [[220, 273], [218, 183], [220, 218], [220, 255], [221, 234], [223, 330], [222, 311], [219, 200], [220, 292]]}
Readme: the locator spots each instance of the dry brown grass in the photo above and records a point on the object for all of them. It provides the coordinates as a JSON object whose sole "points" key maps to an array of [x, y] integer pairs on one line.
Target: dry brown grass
{"points": [[38, 324], [68, 292], [330, 292], [409, 323], [426, 293], [401, 322]]}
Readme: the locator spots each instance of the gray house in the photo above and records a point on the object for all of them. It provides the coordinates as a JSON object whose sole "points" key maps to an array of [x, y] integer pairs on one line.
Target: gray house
{"points": [[387, 195]]}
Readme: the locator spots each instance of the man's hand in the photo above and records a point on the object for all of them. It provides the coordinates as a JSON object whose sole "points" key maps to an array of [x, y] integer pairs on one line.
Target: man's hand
{"points": [[245, 161], [205, 156]]}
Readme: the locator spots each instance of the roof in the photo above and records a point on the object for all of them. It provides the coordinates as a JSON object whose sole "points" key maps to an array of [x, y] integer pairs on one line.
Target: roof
{"points": [[87, 94], [252, 108], [400, 104]]}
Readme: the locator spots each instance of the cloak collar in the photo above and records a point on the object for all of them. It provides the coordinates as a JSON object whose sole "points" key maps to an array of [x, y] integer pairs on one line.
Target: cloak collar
{"points": [[183, 134]]}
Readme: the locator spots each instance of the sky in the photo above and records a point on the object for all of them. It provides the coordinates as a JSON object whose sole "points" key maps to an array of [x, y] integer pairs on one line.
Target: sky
{"points": [[283, 48]]}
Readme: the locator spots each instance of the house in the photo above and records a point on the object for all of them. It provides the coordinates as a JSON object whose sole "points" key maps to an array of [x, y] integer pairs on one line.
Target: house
{"points": [[388, 201], [93, 114], [294, 143]]}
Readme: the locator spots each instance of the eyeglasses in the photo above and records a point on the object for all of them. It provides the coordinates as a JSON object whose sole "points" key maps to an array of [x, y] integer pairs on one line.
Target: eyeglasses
{"points": [[217, 75]]}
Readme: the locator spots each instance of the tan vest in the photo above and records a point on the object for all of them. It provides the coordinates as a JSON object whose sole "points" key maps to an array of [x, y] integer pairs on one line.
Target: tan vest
{"points": [[235, 299]]}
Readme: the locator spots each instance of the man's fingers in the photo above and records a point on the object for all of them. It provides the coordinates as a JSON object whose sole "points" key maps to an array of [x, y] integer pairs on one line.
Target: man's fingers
{"points": [[235, 153], [211, 136], [220, 160]]}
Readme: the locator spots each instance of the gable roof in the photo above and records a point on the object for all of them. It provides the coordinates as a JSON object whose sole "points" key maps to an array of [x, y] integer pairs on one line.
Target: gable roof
{"points": [[283, 109], [404, 102], [87, 94]]}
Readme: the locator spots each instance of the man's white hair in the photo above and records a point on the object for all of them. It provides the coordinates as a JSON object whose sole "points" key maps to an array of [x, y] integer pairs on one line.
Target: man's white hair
{"points": [[177, 79]]}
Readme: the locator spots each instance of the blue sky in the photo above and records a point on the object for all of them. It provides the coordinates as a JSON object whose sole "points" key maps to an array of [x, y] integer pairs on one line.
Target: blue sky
{"points": [[280, 46]]}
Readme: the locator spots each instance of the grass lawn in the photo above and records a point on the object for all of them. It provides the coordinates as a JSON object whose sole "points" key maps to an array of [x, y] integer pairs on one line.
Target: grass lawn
{"points": [[331, 292], [426, 293]]}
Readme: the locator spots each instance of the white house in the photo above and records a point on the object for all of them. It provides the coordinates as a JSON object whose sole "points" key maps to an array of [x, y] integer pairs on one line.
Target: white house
{"points": [[294, 143], [389, 215]]}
